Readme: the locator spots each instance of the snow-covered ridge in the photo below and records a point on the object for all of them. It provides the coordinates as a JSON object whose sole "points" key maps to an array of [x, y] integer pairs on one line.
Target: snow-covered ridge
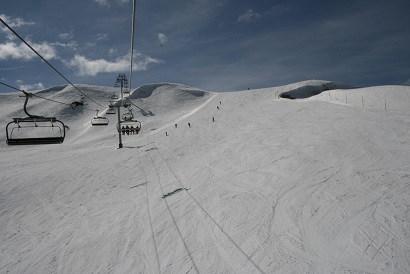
{"points": [[174, 91], [166, 101]]}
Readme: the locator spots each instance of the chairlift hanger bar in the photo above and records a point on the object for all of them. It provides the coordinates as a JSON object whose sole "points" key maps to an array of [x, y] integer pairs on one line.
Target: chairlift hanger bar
{"points": [[38, 54]]}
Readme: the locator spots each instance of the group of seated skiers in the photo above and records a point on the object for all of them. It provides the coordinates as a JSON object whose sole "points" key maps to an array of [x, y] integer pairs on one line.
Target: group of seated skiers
{"points": [[130, 130]]}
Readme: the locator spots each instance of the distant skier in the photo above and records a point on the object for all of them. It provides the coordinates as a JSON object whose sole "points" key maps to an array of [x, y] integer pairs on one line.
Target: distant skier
{"points": [[217, 107], [176, 125], [189, 124], [213, 119], [166, 133]]}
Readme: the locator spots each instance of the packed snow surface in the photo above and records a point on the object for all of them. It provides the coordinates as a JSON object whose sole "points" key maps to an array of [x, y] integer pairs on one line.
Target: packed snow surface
{"points": [[272, 185]]}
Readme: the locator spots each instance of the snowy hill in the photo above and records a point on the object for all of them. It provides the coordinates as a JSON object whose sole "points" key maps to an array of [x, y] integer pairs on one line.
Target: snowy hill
{"points": [[314, 185]]}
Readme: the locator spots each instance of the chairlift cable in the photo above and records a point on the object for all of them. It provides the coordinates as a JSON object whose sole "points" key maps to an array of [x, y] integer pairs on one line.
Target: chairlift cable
{"points": [[39, 55], [132, 42], [33, 94], [52, 100], [11, 87], [129, 101]]}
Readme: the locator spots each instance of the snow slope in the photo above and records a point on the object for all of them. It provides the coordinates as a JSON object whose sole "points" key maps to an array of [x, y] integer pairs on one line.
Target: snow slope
{"points": [[314, 185]]}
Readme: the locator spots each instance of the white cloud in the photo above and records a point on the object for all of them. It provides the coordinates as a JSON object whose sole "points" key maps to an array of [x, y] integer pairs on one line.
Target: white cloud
{"points": [[71, 45], [17, 22], [13, 23], [143, 61], [162, 38], [101, 36], [88, 67], [66, 36], [11, 50], [90, 45], [29, 87], [248, 16], [103, 3], [112, 51]]}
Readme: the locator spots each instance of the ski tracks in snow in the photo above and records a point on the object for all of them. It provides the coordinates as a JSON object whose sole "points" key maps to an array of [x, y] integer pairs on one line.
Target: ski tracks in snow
{"points": [[185, 211]]}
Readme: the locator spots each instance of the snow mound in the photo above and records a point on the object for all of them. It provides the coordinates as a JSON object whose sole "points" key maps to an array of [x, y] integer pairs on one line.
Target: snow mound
{"points": [[306, 89]]}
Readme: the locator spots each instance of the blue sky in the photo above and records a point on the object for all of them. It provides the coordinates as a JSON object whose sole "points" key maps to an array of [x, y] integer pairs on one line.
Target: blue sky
{"points": [[218, 45]]}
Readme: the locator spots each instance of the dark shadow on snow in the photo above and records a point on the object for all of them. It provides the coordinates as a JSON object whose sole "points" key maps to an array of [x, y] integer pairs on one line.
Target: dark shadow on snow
{"points": [[312, 90], [173, 192]]}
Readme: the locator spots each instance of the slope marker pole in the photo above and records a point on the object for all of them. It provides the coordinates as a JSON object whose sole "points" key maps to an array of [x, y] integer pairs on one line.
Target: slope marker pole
{"points": [[119, 125]]}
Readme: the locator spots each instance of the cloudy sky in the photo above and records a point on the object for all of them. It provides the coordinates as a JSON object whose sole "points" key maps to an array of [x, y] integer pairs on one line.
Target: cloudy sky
{"points": [[219, 45]]}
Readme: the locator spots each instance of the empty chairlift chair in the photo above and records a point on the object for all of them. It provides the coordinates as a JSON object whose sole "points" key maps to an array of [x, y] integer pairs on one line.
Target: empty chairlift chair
{"points": [[110, 109], [99, 121], [114, 96], [34, 130], [128, 116]]}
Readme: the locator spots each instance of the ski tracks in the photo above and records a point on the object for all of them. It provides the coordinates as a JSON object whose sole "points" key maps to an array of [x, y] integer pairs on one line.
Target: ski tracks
{"points": [[163, 218], [187, 220]]}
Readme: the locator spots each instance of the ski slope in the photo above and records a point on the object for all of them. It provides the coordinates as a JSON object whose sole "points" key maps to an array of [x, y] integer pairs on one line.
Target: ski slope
{"points": [[319, 184]]}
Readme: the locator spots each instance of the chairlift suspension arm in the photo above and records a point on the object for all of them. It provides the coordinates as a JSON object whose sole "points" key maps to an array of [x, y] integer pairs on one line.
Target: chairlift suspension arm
{"points": [[25, 105]]}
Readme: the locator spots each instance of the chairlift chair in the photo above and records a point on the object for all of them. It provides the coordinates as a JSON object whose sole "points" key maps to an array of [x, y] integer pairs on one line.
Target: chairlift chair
{"points": [[34, 130], [129, 127], [126, 103], [110, 109], [128, 116], [114, 96], [99, 121]]}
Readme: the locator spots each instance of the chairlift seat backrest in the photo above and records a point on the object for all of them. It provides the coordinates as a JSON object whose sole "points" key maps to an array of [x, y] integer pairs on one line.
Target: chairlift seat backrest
{"points": [[35, 119], [128, 125], [99, 121], [110, 110], [35, 141]]}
